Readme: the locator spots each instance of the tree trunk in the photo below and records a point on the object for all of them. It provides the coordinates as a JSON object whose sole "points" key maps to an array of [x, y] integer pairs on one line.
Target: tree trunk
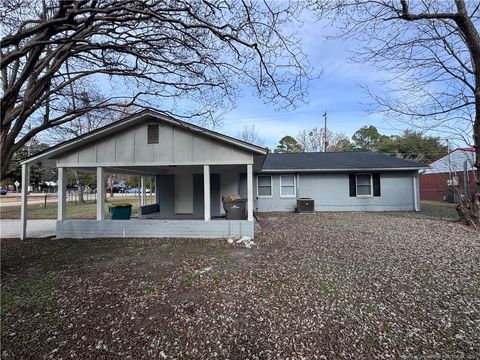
{"points": [[6, 152], [469, 209], [79, 187], [110, 185]]}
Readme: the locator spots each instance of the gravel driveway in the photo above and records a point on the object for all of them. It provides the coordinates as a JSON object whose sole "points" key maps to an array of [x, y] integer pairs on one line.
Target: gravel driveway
{"points": [[323, 286]]}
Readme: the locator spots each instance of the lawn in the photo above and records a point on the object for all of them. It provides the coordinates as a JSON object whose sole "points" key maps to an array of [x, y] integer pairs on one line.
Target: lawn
{"points": [[431, 210], [328, 285], [78, 210]]}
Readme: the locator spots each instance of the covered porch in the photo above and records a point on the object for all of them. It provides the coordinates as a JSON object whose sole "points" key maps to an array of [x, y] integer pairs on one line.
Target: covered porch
{"points": [[188, 203], [193, 168]]}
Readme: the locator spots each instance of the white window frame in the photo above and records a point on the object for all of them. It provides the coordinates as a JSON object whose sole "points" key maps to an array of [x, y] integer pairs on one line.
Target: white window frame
{"points": [[294, 187], [271, 187], [371, 185]]}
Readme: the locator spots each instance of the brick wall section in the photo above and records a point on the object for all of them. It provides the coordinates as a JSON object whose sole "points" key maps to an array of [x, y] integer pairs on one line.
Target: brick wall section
{"points": [[434, 186]]}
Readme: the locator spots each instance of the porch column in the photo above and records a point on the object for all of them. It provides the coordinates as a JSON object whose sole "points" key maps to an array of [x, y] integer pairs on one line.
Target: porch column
{"points": [[23, 213], [206, 192], [142, 191], [61, 194], [250, 192], [101, 191]]}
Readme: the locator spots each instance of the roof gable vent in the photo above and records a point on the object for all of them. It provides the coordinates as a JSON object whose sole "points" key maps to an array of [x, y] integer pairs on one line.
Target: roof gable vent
{"points": [[152, 134]]}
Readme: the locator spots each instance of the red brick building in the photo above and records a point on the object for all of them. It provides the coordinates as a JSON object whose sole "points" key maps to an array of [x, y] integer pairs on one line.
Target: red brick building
{"points": [[446, 175]]}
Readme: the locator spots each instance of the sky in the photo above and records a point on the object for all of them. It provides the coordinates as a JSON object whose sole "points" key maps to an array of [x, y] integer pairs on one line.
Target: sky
{"points": [[338, 91]]}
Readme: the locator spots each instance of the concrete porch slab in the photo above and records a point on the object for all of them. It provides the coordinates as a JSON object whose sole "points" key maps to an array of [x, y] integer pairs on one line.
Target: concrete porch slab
{"points": [[154, 228], [35, 228]]}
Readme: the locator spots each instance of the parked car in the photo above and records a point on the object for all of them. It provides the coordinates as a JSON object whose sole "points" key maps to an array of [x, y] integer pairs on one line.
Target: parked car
{"points": [[116, 189], [3, 190], [135, 190]]}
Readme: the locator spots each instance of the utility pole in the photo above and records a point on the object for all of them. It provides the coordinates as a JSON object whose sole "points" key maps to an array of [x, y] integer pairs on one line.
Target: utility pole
{"points": [[325, 142]]}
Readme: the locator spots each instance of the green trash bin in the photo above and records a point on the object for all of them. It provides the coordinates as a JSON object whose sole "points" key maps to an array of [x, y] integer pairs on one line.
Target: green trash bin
{"points": [[120, 211]]}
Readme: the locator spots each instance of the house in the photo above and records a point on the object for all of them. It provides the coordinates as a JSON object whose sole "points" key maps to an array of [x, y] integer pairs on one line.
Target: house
{"points": [[446, 176], [194, 167], [338, 181]]}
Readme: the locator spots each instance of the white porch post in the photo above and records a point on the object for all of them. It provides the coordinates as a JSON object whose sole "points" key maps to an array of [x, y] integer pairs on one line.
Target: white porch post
{"points": [[62, 190], [250, 192], [142, 191], [100, 193], [206, 192], [23, 213]]}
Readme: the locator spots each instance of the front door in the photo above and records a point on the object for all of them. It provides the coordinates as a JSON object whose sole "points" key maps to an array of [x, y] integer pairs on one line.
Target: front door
{"points": [[183, 194]]}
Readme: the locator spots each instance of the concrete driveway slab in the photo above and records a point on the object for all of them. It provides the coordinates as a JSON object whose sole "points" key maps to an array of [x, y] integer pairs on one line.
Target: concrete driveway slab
{"points": [[35, 228]]}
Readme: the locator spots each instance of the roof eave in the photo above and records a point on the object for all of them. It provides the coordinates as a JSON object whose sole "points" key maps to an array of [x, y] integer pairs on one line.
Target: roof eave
{"points": [[345, 170]]}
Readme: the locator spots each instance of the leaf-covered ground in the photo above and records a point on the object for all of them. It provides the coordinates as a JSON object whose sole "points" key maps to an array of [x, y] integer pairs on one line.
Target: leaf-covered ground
{"points": [[323, 286]]}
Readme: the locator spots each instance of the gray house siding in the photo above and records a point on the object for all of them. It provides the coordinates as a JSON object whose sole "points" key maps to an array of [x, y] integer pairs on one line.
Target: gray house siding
{"points": [[274, 202], [165, 195], [176, 146], [242, 185], [198, 203], [215, 194], [330, 192]]}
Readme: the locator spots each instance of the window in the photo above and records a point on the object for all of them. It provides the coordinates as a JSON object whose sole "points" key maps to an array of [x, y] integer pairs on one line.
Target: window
{"points": [[264, 185], [287, 186], [152, 134], [364, 185]]}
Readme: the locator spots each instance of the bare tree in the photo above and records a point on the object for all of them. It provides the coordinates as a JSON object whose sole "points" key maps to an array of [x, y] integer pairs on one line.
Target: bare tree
{"points": [[250, 135], [143, 53], [429, 52], [81, 125], [340, 142], [313, 140]]}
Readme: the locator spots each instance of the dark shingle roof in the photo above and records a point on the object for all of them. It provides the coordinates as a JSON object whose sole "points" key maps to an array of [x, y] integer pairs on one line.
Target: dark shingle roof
{"points": [[336, 161]]}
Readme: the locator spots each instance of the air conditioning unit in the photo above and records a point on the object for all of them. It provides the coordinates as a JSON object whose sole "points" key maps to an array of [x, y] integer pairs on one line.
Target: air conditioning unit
{"points": [[305, 205]]}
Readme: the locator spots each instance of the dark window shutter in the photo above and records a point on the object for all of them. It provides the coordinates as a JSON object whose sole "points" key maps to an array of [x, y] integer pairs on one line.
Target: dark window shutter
{"points": [[376, 185], [152, 134], [353, 185]]}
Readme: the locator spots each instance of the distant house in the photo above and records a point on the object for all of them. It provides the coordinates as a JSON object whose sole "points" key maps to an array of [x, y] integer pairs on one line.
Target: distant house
{"points": [[194, 167], [446, 176]]}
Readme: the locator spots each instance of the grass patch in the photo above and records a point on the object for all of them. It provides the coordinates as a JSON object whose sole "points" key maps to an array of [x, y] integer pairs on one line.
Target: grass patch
{"points": [[74, 211], [434, 210], [439, 210], [32, 294], [187, 281]]}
